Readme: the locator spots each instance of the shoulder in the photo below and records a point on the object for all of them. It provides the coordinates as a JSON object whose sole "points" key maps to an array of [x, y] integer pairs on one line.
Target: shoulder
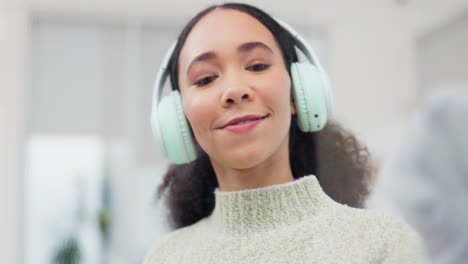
{"points": [[164, 246], [394, 228], [391, 228], [402, 243], [394, 239]]}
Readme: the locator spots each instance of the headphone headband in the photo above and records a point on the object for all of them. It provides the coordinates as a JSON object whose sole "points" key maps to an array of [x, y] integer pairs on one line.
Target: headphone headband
{"points": [[163, 73], [158, 87], [313, 59], [303, 46]]}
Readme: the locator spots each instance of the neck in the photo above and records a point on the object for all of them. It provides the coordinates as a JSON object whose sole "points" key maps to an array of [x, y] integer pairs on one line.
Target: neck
{"points": [[275, 169], [259, 210]]}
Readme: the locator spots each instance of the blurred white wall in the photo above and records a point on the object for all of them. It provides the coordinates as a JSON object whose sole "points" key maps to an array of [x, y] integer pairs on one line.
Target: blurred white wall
{"points": [[442, 63], [443, 60], [13, 40], [80, 85], [95, 77], [373, 64]]}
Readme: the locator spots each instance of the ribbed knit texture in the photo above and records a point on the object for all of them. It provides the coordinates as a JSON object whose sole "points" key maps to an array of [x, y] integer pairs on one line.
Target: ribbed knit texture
{"points": [[289, 223]]}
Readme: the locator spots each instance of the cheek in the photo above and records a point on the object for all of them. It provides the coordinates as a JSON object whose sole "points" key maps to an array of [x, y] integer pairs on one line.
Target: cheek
{"points": [[277, 88], [198, 111], [286, 92]]}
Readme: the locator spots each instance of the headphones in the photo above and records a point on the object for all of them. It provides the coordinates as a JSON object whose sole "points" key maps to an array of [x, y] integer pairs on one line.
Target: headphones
{"points": [[312, 93]]}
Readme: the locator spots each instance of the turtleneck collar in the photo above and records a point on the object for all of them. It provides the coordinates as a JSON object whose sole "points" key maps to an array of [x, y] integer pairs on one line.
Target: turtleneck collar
{"points": [[266, 208]]}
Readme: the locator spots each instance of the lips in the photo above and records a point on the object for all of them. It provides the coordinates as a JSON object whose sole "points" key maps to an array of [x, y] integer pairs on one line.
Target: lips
{"points": [[242, 120]]}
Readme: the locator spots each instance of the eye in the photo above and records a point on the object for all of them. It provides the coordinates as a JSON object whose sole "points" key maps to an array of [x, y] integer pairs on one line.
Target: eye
{"points": [[258, 67], [205, 81]]}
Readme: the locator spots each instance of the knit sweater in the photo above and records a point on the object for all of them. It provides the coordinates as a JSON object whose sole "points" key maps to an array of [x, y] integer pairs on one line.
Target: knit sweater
{"points": [[288, 223]]}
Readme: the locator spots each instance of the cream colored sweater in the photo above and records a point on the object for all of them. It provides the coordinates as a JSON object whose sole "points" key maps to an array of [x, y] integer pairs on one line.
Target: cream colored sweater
{"points": [[289, 223]]}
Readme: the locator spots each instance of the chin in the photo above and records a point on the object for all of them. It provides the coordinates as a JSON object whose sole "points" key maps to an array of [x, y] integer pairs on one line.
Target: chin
{"points": [[245, 158], [243, 164]]}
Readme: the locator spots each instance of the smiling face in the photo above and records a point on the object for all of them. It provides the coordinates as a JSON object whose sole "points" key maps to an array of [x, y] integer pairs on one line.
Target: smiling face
{"points": [[231, 71]]}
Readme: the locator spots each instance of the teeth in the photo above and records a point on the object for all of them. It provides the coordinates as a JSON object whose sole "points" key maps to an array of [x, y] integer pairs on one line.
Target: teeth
{"points": [[245, 121]]}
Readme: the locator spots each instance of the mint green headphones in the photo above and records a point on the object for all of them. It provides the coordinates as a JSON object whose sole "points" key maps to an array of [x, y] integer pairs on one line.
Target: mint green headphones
{"points": [[312, 93]]}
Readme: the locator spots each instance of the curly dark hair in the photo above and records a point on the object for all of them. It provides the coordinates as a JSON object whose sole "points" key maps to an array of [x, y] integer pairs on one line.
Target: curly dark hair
{"points": [[334, 155]]}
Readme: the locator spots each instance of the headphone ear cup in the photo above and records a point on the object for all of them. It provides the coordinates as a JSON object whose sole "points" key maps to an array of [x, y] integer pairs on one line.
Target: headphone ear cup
{"points": [[309, 97], [155, 128], [175, 130], [331, 98]]}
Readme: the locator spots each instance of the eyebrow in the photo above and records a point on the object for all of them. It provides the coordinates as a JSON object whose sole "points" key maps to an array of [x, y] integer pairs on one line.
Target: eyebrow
{"points": [[241, 48]]}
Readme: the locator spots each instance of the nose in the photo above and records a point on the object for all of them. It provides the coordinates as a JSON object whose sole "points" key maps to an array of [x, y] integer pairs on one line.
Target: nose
{"points": [[237, 94]]}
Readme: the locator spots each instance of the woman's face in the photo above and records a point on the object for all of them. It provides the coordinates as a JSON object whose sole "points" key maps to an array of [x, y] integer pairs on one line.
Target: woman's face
{"points": [[231, 67]]}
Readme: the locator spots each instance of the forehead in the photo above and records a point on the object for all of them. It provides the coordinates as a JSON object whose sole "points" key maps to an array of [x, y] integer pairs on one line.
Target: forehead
{"points": [[223, 30]]}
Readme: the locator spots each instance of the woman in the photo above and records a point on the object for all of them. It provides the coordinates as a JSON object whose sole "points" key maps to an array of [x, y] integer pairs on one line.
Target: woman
{"points": [[253, 193]]}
